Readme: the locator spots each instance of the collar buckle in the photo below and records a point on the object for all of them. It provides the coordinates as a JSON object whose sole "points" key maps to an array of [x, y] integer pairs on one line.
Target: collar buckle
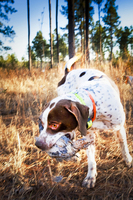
{"points": [[89, 123]]}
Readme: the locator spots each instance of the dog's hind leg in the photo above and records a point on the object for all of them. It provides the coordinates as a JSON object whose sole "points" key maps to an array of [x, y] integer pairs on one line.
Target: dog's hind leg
{"points": [[121, 135]]}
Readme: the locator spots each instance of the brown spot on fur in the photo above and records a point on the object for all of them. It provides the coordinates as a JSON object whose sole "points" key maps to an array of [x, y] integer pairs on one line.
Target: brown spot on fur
{"points": [[94, 77], [82, 74], [52, 104]]}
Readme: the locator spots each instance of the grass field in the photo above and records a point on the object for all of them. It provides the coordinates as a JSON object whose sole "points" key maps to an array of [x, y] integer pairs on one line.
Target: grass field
{"points": [[28, 173]]}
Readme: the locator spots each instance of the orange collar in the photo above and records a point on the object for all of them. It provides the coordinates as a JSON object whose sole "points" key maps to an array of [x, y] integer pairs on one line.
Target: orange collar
{"points": [[94, 106]]}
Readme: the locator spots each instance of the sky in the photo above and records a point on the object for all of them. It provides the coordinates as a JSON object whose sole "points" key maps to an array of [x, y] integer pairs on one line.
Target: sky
{"points": [[19, 22]]}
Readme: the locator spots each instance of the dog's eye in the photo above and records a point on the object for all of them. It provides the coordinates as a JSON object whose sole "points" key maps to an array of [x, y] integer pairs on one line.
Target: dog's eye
{"points": [[54, 126]]}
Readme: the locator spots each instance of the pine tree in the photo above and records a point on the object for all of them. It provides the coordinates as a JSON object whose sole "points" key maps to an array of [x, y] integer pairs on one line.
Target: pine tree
{"points": [[87, 4], [38, 44], [99, 2], [51, 42], [7, 31], [29, 49], [80, 22], [111, 20], [124, 37], [95, 35], [83, 18], [57, 31], [71, 28], [63, 51]]}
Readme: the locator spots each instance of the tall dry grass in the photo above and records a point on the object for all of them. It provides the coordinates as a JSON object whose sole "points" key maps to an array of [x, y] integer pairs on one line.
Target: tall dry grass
{"points": [[29, 173]]}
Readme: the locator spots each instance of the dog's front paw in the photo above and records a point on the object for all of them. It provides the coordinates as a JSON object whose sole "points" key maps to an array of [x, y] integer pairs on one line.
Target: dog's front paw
{"points": [[89, 182], [129, 162]]}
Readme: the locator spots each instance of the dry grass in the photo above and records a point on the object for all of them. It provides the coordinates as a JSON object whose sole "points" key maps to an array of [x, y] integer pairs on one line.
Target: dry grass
{"points": [[28, 173]]}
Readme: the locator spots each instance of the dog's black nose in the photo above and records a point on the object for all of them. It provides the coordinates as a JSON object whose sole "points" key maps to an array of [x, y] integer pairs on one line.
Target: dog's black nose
{"points": [[41, 143], [40, 127]]}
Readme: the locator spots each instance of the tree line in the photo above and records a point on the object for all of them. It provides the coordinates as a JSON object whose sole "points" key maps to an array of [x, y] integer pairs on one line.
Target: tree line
{"points": [[100, 38], [83, 33]]}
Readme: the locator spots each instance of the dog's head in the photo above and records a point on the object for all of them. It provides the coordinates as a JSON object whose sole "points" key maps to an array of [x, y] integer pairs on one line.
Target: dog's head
{"points": [[61, 118]]}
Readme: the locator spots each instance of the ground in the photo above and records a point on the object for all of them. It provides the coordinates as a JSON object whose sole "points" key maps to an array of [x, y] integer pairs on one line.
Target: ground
{"points": [[29, 173]]}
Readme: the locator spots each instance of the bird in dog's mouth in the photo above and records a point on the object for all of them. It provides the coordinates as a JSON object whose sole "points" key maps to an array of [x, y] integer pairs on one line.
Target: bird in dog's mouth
{"points": [[65, 147]]}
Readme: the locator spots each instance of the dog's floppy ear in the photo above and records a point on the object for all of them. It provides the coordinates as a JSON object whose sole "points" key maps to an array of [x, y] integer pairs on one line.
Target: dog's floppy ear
{"points": [[81, 113]]}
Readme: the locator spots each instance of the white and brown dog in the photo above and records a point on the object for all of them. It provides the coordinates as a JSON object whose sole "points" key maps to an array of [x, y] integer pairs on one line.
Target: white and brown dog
{"points": [[87, 100]]}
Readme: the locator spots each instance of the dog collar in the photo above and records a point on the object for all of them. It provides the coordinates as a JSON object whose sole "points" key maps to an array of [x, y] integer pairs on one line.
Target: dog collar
{"points": [[89, 121]]}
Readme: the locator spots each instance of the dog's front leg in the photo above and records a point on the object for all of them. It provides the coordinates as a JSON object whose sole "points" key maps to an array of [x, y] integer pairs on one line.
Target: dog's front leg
{"points": [[90, 179]]}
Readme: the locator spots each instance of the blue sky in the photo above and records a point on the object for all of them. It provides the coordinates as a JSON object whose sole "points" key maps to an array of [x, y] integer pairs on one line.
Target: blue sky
{"points": [[19, 21]]}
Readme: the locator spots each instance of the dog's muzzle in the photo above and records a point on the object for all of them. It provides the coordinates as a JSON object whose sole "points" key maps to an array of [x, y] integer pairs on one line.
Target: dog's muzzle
{"points": [[64, 147], [41, 143]]}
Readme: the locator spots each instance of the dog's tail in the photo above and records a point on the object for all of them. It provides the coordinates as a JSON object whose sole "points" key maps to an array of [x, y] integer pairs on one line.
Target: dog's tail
{"points": [[70, 64]]}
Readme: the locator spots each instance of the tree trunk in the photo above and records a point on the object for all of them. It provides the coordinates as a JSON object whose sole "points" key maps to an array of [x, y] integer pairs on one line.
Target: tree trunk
{"points": [[111, 45], [71, 28], [100, 47], [81, 38], [57, 31], [29, 50], [41, 63], [51, 43], [84, 35], [87, 3]]}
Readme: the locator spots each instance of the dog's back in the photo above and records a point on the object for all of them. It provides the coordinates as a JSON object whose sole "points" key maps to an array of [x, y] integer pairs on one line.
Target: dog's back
{"points": [[75, 78]]}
